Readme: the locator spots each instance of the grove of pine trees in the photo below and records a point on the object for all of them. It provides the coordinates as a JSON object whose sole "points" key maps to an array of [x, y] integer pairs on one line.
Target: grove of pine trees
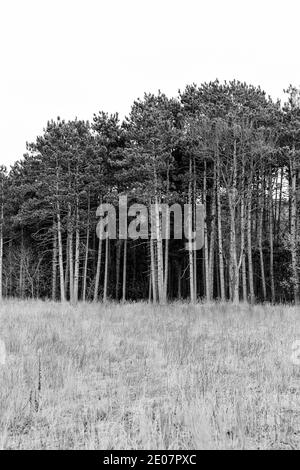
{"points": [[227, 146]]}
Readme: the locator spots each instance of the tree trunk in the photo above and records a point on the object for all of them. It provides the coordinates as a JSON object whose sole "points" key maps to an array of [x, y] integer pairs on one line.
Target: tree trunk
{"points": [[153, 273], [77, 255], [118, 262], [232, 199], [190, 231], [124, 271], [105, 289], [98, 269], [293, 197], [220, 234], [54, 263], [212, 239], [242, 261], [86, 257], [249, 240], [234, 274], [206, 254], [167, 236], [10, 281], [160, 279], [67, 266], [195, 225], [71, 266], [60, 256], [271, 237], [260, 245]]}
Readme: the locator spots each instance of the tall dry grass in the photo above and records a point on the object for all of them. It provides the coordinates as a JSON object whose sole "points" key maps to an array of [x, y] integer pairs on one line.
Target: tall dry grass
{"points": [[143, 377]]}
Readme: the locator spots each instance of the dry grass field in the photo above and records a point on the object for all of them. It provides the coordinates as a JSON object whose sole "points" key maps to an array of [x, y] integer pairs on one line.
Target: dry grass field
{"points": [[136, 376]]}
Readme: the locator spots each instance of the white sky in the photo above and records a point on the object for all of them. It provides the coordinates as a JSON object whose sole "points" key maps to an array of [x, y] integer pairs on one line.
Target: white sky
{"points": [[72, 58]]}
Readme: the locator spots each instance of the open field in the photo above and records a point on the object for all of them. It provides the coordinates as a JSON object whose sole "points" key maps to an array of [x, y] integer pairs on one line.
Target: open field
{"points": [[143, 377]]}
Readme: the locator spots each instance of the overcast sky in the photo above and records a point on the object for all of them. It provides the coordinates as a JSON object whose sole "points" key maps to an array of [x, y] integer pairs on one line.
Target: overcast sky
{"points": [[73, 58]]}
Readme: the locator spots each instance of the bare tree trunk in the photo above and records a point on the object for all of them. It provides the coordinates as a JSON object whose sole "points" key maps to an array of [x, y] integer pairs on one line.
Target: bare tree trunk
{"points": [[280, 201], [54, 263], [232, 199], [190, 228], [160, 279], [10, 283], [38, 283], [195, 224], [67, 266], [206, 254], [220, 234], [86, 257], [242, 261], [234, 274], [153, 273], [59, 240], [118, 262], [249, 240], [242, 255], [166, 270], [106, 269], [77, 255], [150, 289], [244, 278], [167, 236], [98, 269], [124, 271], [71, 265], [293, 197], [271, 237], [60, 256], [260, 245], [212, 239]]}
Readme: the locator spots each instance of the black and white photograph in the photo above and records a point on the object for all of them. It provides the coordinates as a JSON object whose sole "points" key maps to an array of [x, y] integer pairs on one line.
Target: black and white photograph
{"points": [[149, 228]]}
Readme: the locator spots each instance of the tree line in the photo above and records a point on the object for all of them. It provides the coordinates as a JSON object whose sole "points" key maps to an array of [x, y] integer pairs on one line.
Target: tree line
{"points": [[225, 145]]}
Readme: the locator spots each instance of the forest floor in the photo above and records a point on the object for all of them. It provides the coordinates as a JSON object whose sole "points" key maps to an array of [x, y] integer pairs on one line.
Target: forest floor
{"points": [[134, 376]]}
